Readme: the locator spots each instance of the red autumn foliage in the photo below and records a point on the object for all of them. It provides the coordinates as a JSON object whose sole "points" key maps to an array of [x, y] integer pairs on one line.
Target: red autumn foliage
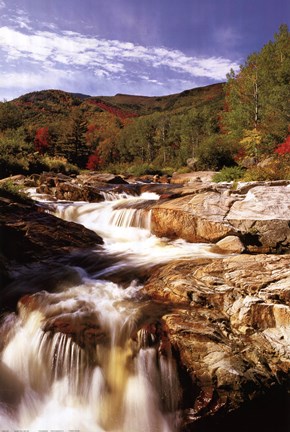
{"points": [[284, 148], [112, 110], [41, 140], [94, 161]]}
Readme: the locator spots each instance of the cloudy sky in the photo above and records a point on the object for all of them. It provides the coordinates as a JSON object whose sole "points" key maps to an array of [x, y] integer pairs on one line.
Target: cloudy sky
{"points": [[149, 47]]}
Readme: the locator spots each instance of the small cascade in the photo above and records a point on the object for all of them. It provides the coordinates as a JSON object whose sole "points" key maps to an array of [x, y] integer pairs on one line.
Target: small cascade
{"points": [[114, 196], [126, 218]]}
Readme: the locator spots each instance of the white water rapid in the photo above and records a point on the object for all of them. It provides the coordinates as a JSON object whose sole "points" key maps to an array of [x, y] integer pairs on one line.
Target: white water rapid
{"points": [[87, 358]]}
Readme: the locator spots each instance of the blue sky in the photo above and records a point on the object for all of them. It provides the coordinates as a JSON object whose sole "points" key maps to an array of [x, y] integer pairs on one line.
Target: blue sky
{"points": [[149, 47]]}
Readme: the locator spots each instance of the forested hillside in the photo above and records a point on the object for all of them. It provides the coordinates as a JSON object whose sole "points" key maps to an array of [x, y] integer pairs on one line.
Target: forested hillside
{"points": [[56, 127], [242, 122]]}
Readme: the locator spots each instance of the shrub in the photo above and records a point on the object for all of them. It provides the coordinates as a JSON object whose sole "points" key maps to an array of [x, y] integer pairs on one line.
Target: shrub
{"points": [[11, 165], [284, 148], [184, 170], [228, 174], [59, 165], [276, 170]]}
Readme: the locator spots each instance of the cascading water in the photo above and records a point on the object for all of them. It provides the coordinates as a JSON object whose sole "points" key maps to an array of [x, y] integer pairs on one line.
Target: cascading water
{"points": [[86, 358]]}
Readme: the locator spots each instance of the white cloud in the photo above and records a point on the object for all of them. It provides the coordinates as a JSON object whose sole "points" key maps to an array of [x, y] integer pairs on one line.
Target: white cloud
{"points": [[2, 4], [100, 56], [30, 80]]}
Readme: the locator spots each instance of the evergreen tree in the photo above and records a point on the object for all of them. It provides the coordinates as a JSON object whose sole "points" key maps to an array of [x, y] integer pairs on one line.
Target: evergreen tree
{"points": [[74, 147]]}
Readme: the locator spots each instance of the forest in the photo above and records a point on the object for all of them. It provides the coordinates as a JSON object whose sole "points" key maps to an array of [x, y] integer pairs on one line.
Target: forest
{"points": [[240, 128]]}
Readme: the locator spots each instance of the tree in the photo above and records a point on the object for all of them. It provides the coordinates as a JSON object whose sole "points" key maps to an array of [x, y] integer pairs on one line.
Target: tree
{"points": [[242, 108], [10, 116], [162, 139], [251, 142], [41, 141], [74, 147], [103, 135], [257, 98], [14, 153], [214, 153]]}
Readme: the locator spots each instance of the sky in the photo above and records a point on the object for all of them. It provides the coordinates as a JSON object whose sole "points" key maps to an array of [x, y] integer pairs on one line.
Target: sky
{"points": [[148, 47]]}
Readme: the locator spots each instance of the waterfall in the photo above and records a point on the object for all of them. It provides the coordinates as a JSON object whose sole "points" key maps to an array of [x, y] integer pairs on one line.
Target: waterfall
{"points": [[113, 384], [89, 358]]}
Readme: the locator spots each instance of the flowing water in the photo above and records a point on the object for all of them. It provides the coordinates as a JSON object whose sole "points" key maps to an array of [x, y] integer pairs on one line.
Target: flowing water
{"points": [[90, 357]]}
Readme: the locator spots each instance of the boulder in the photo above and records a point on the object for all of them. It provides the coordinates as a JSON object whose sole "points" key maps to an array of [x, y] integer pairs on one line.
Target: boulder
{"points": [[263, 213], [229, 326], [231, 244], [28, 233], [71, 192], [195, 218], [80, 324], [103, 178], [258, 215]]}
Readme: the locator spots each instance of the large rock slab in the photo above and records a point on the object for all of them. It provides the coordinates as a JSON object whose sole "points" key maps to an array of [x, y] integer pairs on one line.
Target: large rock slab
{"points": [[258, 215], [230, 328], [195, 218], [192, 177]]}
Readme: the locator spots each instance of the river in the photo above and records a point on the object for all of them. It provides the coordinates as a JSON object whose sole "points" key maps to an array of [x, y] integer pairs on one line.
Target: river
{"points": [[114, 377]]}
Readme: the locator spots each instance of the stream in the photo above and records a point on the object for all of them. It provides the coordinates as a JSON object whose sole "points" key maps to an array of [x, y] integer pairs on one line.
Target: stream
{"points": [[85, 357]]}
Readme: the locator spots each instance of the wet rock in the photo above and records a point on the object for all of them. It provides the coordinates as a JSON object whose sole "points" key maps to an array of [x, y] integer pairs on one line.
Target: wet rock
{"points": [[19, 178], [84, 329], [84, 187], [28, 234], [105, 178], [230, 328], [71, 192], [79, 323]]}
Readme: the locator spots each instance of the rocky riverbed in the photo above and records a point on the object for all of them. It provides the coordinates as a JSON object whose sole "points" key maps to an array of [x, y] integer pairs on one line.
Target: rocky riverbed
{"points": [[227, 320]]}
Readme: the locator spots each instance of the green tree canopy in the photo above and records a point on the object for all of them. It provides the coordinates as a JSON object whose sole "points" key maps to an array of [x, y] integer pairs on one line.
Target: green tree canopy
{"points": [[258, 96], [10, 116]]}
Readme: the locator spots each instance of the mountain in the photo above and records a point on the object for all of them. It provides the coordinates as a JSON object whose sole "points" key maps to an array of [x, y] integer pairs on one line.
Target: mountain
{"points": [[41, 105]]}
